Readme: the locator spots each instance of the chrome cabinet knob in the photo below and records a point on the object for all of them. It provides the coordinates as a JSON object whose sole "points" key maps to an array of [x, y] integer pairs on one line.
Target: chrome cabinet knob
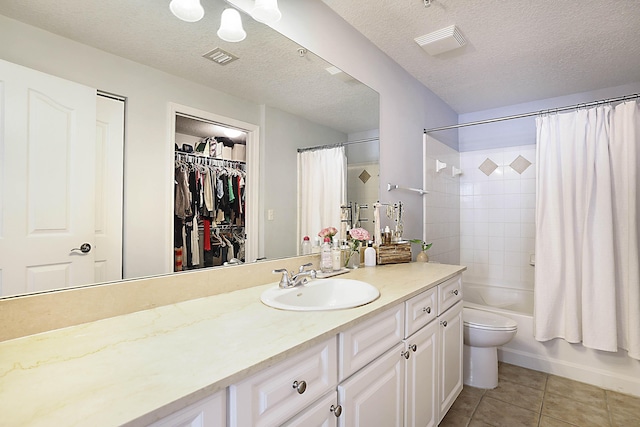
{"points": [[455, 292], [444, 323], [337, 410], [405, 354], [300, 386], [85, 248], [426, 310], [413, 347]]}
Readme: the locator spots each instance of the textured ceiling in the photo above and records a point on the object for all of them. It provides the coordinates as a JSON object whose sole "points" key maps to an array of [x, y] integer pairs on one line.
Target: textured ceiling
{"points": [[270, 70], [517, 50]]}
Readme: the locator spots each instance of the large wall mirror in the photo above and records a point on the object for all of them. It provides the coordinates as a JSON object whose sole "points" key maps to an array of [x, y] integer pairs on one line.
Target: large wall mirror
{"points": [[296, 98]]}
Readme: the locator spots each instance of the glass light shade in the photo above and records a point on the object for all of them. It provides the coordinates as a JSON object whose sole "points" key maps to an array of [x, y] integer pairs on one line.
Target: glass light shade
{"points": [[266, 11], [231, 26], [187, 10]]}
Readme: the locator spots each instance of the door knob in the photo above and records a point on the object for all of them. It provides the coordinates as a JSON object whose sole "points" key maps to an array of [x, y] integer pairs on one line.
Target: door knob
{"points": [[85, 248]]}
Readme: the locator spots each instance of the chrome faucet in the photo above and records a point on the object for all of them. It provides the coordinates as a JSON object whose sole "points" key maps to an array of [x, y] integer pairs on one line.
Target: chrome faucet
{"points": [[292, 280]]}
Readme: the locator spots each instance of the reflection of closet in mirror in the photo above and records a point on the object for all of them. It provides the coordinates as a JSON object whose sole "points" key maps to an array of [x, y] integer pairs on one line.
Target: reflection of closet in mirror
{"points": [[209, 194]]}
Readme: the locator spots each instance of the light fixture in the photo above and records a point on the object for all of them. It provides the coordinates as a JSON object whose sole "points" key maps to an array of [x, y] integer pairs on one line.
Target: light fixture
{"points": [[232, 133], [266, 11], [187, 10], [231, 26]]}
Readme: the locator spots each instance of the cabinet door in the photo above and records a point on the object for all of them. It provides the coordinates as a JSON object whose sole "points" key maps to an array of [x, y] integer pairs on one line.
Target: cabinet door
{"points": [[450, 355], [323, 413], [209, 412], [421, 388], [374, 396]]}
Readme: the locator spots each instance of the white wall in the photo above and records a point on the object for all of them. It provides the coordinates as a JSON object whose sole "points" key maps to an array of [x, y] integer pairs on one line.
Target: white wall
{"points": [[283, 134], [523, 131]]}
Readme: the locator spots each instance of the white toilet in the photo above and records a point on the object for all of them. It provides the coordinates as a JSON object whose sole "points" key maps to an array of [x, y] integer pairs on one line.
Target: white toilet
{"points": [[483, 333]]}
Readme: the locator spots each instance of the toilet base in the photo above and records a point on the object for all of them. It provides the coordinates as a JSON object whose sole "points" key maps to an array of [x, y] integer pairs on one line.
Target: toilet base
{"points": [[480, 366]]}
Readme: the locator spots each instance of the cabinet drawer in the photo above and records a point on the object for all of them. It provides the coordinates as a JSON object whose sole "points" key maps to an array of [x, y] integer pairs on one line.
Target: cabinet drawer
{"points": [[420, 310], [209, 412], [322, 413], [449, 293], [276, 394], [368, 340]]}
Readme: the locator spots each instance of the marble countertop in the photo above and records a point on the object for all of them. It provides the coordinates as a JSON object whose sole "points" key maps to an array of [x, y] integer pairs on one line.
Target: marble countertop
{"points": [[135, 368]]}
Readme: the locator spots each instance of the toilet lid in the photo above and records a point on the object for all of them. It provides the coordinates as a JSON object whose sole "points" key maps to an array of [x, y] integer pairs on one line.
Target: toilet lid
{"points": [[485, 320]]}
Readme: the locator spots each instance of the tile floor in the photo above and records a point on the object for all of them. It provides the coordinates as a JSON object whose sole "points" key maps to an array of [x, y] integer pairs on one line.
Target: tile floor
{"points": [[531, 398]]}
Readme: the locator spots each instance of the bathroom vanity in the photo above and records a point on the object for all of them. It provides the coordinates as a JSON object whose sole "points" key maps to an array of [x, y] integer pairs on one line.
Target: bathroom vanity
{"points": [[228, 359]]}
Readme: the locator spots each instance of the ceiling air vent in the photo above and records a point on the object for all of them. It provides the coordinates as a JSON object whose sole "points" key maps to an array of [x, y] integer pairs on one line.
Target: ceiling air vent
{"points": [[220, 57], [441, 41]]}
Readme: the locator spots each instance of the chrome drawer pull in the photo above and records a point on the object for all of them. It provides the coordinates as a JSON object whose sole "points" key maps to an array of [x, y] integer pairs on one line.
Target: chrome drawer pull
{"points": [[444, 323], [455, 292], [337, 410], [300, 387], [426, 310]]}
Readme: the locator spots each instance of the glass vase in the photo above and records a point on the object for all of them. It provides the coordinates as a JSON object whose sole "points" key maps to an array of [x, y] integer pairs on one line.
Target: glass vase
{"points": [[353, 260]]}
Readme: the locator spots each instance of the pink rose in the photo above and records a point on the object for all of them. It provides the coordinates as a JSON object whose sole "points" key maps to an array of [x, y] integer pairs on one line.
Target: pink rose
{"points": [[328, 232], [359, 234]]}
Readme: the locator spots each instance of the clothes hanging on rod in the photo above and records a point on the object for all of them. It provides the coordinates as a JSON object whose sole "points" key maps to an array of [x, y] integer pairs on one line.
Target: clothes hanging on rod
{"points": [[209, 196], [536, 113]]}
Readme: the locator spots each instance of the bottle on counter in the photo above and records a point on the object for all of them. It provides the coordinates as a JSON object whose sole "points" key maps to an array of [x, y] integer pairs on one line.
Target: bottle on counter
{"points": [[336, 256], [370, 255], [306, 246], [326, 262]]}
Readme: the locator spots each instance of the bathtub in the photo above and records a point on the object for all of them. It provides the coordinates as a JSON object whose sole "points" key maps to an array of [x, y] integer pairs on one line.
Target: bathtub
{"points": [[612, 371]]}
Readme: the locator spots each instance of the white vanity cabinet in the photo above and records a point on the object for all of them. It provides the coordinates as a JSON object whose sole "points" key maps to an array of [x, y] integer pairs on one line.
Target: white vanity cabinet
{"points": [[402, 367], [278, 393], [208, 412]]}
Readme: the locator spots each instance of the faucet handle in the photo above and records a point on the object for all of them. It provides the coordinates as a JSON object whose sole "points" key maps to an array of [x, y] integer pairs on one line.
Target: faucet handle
{"points": [[302, 267], [285, 281]]}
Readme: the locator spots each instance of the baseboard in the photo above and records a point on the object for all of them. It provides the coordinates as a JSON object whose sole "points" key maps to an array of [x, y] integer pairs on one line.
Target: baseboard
{"points": [[584, 373]]}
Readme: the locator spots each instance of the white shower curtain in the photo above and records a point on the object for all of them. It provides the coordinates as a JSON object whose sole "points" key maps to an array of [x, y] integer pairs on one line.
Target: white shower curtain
{"points": [[587, 282], [322, 177]]}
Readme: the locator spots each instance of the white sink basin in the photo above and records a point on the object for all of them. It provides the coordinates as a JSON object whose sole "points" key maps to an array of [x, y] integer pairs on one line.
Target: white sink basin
{"points": [[321, 294]]}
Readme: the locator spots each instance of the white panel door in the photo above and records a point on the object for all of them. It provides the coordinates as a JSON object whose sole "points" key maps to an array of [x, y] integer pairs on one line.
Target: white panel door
{"points": [[47, 149], [108, 189], [421, 385], [374, 396], [450, 335]]}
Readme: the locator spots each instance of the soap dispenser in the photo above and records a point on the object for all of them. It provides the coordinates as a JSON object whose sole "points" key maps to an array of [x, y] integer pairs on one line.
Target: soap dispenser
{"points": [[326, 263], [370, 255]]}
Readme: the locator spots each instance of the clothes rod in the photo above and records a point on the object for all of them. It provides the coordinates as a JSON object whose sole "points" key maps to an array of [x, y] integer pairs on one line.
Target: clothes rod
{"points": [[397, 187], [536, 113], [339, 144]]}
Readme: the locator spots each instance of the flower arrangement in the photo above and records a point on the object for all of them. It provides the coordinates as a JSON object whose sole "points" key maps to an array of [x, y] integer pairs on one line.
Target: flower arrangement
{"points": [[327, 232], [358, 237], [424, 244]]}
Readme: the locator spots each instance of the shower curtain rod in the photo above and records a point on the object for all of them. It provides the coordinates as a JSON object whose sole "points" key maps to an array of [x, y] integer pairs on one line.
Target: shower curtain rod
{"points": [[339, 144], [535, 113]]}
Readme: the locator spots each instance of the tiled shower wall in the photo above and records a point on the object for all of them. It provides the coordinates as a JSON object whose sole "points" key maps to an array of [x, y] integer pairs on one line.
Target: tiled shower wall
{"points": [[497, 215], [442, 204]]}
